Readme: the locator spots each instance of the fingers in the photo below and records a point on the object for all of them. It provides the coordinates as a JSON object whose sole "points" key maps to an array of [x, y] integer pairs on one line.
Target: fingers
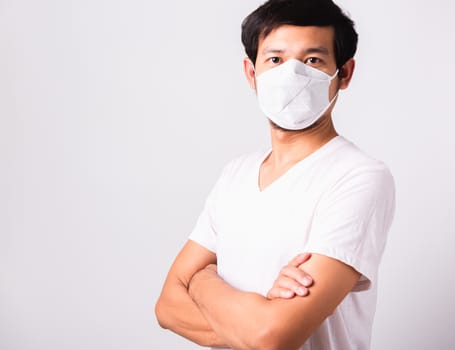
{"points": [[300, 259], [292, 280], [277, 292], [293, 285], [285, 287], [297, 275]]}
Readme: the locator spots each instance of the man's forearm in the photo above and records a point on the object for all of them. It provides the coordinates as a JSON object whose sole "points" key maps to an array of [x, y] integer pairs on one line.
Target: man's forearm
{"points": [[251, 321], [226, 310], [176, 311]]}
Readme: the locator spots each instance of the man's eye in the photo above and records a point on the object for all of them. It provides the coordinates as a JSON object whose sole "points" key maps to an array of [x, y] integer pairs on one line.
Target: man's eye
{"points": [[313, 60], [275, 60]]}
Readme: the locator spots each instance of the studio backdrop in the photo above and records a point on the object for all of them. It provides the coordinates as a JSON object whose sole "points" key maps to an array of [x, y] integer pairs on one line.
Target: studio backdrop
{"points": [[116, 118]]}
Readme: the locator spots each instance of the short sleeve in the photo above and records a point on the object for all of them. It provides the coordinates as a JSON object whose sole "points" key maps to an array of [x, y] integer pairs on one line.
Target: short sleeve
{"points": [[204, 232], [353, 218]]}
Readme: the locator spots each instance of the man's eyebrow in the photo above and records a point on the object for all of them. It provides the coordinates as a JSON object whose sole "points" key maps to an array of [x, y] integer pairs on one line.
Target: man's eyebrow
{"points": [[319, 49], [269, 50]]}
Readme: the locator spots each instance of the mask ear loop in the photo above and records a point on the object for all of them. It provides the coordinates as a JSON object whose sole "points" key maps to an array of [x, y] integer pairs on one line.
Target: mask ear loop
{"points": [[336, 95], [334, 74]]}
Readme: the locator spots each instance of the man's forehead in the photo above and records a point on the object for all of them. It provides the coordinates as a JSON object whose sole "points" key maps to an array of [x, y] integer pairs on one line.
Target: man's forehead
{"points": [[290, 37]]}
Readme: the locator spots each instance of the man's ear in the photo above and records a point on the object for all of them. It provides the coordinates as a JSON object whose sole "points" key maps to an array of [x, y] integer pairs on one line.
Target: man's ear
{"points": [[250, 75], [346, 73]]}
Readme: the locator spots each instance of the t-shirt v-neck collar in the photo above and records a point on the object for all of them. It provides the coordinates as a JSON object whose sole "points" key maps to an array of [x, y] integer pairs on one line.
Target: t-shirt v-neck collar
{"points": [[320, 152]]}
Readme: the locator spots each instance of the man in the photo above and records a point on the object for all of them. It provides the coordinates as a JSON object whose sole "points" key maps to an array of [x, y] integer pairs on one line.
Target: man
{"points": [[313, 192]]}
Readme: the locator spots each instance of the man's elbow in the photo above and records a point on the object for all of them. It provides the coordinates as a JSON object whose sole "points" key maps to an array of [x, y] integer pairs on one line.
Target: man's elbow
{"points": [[160, 314]]}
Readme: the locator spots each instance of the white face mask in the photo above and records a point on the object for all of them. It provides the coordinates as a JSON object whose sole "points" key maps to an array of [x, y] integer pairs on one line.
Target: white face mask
{"points": [[294, 95]]}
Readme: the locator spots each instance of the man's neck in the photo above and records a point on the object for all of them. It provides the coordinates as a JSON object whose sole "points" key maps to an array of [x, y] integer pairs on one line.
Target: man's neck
{"points": [[290, 147]]}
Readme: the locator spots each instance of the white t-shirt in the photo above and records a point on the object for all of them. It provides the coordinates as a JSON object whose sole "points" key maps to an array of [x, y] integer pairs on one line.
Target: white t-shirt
{"points": [[337, 202]]}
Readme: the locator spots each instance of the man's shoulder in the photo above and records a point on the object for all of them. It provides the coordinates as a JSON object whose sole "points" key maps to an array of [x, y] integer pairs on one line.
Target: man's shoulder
{"points": [[350, 157], [348, 166], [353, 170]]}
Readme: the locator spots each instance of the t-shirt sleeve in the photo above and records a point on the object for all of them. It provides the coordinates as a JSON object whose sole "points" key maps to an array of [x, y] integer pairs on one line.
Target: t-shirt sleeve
{"points": [[204, 232], [352, 220]]}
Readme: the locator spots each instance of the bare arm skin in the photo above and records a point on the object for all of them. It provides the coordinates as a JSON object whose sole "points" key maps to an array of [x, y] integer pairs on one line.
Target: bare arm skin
{"points": [[175, 310], [249, 321]]}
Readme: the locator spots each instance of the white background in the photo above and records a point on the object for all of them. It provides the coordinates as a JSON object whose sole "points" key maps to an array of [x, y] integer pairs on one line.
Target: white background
{"points": [[116, 118]]}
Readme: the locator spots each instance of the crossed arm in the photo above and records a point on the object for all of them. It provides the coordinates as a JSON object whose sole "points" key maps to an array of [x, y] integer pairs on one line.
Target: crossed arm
{"points": [[197, 304], [175, 309]]}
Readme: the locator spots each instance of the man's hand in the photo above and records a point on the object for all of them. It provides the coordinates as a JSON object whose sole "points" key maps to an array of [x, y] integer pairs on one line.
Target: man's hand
{"points": [[292, 281]]}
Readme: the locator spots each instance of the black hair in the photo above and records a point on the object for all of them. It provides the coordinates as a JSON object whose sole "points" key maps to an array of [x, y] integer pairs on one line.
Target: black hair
{"points": [[321, 13]]}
